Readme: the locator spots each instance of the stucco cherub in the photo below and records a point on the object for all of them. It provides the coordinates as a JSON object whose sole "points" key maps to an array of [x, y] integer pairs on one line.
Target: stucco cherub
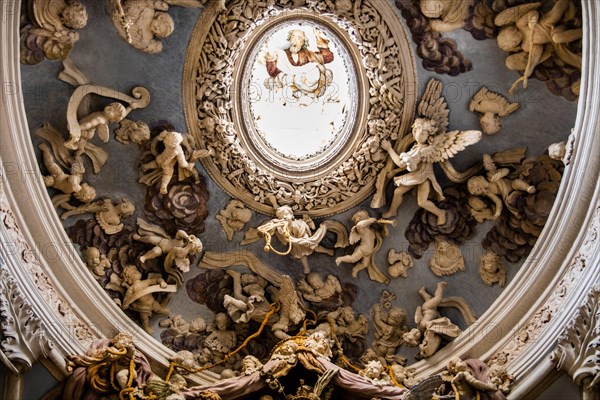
{"points": [[370, 241], [234, 217], [249, 302], [221, 339], [492, 106], [390, 329], [433, 144], [108, 214], [470, 380], [53, 30], [177, 249], [139, 295], [317, 290], [374, 371], [130, 131], [96, 122], [534, 36], [432, 325], [164, 164], [445, 15], [96, 261], [70, 185], [497, 187], [294, 233], [142, 23], [399, 262]]}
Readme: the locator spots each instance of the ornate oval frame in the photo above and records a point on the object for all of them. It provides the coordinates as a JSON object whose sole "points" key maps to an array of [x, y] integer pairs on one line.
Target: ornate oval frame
{"points": [[219, 47]]}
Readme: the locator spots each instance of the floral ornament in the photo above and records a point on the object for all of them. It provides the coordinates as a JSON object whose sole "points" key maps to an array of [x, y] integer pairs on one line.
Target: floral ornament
{"points": [[183, 207]]}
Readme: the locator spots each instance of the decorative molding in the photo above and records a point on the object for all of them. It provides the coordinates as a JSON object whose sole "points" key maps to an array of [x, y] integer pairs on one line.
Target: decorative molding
{"points": [[15, 243], [530, 331], [578, 350], [24, 339], [386, 103]]}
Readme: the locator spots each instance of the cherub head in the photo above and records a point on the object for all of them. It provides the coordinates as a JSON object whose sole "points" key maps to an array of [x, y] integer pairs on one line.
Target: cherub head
{"points": [[91, 256], [162, 24], [222, 321], [490, 262], [433, 8], [285, 213], [315, 280], [490, 123], [297, 39], [456, 365], [422, 128], [478, 185], [171, 139], [510, 38], [115, 112], [86, 194], [125, 208], [74, 15], [141, 133], [397, 316], [131, 274], [360, 215], [373, 370], [122, 340], [197, 325]]}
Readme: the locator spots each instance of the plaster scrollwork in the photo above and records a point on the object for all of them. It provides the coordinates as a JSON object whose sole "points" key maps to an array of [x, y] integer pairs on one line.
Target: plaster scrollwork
{"points": [[28, 260], [531, 330], [214, 57], [24, 341], [578, 350]]}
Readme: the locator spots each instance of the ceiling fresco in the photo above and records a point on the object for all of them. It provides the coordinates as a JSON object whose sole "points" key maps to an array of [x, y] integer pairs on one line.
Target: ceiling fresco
{"points": [[331, 187]]}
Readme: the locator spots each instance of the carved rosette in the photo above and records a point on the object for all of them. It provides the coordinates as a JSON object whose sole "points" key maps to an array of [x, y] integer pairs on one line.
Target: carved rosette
{"points": [[386, 73]]}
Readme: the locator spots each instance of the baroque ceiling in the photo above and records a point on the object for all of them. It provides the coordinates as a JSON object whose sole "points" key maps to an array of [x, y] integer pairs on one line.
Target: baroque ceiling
{"points": [[305, 199]]}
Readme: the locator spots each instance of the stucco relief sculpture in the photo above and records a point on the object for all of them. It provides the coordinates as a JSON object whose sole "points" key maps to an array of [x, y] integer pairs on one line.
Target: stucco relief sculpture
{"points": [[368, 239], [130, 131], [177, 250], [432, 144], [163, 167], [446, 15], [316, 290], [497, 187], [108, 213], [81, 131], [210, 103], [532, 36], [391, 331], [492, 269], [399, 263], [472, 379], [432, 325], [299, 236], [491, 106], [51, 31], [447, 259], [234, 217], [143, 23], [96, 262], [139, 295], [70, 184]]}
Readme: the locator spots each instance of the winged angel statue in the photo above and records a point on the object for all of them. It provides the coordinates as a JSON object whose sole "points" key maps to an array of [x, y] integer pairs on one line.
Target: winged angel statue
{"points": [[432, 144]]}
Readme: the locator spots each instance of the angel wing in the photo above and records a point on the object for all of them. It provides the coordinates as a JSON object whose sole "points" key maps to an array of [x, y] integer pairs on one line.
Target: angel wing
{"points": [[434, 106], [46, 14], [485, 101], [290, 299], [512, 14], [354, 235], [446, 145]]}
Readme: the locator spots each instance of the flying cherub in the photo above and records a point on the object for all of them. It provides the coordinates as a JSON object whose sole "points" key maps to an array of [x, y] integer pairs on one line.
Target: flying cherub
{"points": [[492, 106], [433, 144]]}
